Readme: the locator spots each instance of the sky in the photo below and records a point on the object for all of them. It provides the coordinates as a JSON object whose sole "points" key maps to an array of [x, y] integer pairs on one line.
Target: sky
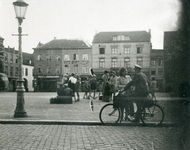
{"points": [[82, 19]]}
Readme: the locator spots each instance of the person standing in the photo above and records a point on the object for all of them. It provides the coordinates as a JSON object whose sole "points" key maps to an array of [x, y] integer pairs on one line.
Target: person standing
{"points": [[93, 85], [113, 83], [71, 84], [140, 82], [153, 85], [105, 87], [77, 87], [86, 88], [122, 81]]}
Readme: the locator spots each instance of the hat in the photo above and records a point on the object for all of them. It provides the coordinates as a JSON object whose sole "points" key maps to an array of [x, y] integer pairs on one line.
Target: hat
{"points": [[137, 66], [106, 71]]}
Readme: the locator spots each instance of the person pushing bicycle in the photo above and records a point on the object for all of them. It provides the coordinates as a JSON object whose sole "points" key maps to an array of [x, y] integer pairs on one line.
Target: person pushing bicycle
{"points": [[140, 82]]}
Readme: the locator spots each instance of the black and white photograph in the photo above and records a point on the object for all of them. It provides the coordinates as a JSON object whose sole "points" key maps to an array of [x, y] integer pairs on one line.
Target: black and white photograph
{"points": [[95, 75]]}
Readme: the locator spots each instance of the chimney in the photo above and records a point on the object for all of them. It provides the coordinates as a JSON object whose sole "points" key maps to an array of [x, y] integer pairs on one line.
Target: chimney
{"points": [[55, 38]]}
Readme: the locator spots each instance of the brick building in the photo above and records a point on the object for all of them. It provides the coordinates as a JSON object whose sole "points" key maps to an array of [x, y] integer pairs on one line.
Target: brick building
{"points": [[9, 60], [157, 67], [57, 57]]}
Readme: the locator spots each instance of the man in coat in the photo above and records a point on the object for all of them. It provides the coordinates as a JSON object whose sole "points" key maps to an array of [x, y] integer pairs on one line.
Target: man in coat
{"points": [[140, 82]]}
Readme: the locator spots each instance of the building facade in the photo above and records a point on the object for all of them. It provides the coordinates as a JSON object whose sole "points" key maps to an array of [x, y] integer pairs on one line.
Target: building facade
{"points": [[113, 50], [157, 68], [58, 57], [176, 60], [9, 60]]}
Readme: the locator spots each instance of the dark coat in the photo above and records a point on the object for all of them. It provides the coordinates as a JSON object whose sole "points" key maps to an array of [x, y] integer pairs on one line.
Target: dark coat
{"points": [[140, 82]]}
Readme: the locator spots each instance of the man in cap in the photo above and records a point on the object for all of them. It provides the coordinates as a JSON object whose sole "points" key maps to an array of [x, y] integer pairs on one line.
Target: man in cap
{"points": [[140, 82]]}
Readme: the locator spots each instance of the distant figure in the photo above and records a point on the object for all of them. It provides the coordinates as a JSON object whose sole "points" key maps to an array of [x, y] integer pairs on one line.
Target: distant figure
{"points": [[67, 91], [93, 85], [153, 85], [86, 86], [60, 90], [71, 84], [105, 79], [77, 87], [113, 82], [99, 87]]}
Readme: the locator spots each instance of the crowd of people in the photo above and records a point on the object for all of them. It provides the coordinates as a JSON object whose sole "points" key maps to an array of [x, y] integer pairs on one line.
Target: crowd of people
{"points": [[107, 87]]}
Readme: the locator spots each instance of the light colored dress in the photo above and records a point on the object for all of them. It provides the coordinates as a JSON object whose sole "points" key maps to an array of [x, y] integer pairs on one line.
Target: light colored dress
{"points": [[122, 82]]}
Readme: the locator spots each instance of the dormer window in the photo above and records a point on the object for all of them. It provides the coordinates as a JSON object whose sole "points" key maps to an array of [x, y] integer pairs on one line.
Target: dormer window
{"points": [[121, 38]]}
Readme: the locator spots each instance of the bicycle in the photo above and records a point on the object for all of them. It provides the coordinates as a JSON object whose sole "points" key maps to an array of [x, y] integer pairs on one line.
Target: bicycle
{"points": [[150, 116]]}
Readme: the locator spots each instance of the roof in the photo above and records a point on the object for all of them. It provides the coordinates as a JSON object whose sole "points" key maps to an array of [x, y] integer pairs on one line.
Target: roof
{"points": [[63, 44], [27, 59], [134, 36]]}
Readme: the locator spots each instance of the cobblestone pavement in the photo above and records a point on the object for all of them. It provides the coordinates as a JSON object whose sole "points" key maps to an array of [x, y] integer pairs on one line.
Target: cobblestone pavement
{"points": [[79, 137], [16, 136]]}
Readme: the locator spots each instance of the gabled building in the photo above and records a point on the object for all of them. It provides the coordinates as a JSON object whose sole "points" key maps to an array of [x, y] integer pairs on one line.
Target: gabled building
{"points": [[113, 50], [57, 57]]}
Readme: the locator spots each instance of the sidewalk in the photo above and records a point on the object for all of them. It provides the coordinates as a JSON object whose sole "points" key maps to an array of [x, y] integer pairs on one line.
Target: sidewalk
{"points": [[40, 111]]}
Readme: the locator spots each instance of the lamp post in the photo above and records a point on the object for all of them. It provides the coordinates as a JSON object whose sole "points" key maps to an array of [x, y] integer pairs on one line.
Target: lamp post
{"points": [[20, 9]]}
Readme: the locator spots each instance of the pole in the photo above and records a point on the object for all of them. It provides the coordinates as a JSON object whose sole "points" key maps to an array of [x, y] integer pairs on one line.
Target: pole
{"points": [[20, 111]]}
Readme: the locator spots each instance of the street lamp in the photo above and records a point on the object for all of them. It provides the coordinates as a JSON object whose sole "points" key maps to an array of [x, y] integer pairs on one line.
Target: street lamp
{"points": [[20, 9]]}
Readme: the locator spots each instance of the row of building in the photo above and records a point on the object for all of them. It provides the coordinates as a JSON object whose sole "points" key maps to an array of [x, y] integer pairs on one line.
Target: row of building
{"points": [[43, 69]]}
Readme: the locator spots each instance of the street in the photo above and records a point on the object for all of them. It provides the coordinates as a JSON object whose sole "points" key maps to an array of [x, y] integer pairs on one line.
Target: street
{"points": [[74, 137], [75, 126]]}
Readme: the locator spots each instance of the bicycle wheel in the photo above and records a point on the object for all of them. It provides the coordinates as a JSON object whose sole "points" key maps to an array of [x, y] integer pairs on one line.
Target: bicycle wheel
{"points": [[152, 116], [109, 115]]}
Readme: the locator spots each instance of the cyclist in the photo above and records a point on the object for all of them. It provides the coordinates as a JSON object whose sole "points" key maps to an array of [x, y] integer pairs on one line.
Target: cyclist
{"points": [[140, 82]]}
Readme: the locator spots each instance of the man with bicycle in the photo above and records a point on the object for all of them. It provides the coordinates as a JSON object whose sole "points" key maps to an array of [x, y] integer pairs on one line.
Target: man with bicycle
{"points": [[140, 82]]}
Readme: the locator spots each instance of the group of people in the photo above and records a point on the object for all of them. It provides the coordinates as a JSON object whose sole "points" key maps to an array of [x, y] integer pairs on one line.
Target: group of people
{"points": [[137, 88], [70, 86]]}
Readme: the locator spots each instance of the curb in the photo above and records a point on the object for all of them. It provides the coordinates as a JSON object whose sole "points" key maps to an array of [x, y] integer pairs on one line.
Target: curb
{"points": [[90, 123]]}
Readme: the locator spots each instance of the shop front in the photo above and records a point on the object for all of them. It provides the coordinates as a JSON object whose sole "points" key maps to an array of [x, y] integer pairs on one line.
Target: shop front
{"points": [[47, 83]]}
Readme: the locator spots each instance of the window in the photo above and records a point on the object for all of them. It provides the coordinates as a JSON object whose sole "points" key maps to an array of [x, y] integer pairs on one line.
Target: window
{"points": [[39, 70], [48, 57], [57, 57], [102, 50], [76, 68], [11, 58], [114, 50], [126, 50], [114, 62], [121, 38], [75, 57], [6, 57], [153, 62], [140, 61], [57, 70], [48, 70], [39, 57], [153, 72], [160, 62], [16, 60], [11, 71], [26, 71], [85, 57], [139, 50], [16, 71], [127, 62], [160, 72], [84, 69], [66, 58], [101, 62], [67, 69]]}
